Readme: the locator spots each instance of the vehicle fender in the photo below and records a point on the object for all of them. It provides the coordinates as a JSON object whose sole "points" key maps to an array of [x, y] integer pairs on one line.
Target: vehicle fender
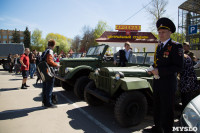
{"points": [[76, 70], [133, 83]]}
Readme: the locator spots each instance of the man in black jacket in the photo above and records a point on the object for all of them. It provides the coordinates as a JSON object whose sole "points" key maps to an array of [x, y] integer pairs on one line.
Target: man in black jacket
{"points": [[125, 55], [168, 61]]}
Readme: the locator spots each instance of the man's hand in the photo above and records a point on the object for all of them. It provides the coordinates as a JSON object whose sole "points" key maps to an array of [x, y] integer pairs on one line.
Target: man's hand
{"points": [[149, 72], [155, 72], [24, 65], [58, 66]]}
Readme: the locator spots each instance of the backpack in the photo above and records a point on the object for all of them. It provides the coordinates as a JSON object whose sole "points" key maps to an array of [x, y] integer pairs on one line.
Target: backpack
{"points": [[45, 71]]}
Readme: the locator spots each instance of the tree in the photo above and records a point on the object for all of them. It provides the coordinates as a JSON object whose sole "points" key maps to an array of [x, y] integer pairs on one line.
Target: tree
{"points": [[63, 42], [16, 37], [27, 38], [100, 29], [90, 35], [88, 38], [156, 10], [178, 37], [38, 42], [76, 43]]}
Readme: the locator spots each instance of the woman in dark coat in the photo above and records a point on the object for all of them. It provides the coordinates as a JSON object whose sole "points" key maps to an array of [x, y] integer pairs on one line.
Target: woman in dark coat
{"points": [[189, 86]]}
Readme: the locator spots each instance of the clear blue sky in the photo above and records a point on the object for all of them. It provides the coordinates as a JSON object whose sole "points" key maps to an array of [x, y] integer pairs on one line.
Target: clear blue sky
{"points": [[67, 17]]}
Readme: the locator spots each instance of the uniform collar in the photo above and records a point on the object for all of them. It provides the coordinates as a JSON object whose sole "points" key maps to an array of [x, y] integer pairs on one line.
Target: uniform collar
{"points": [[165, 42]]}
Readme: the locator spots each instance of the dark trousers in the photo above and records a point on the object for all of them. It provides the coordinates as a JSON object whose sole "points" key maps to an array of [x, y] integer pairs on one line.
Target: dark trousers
{"points": [[164, 97], [47, 92]]}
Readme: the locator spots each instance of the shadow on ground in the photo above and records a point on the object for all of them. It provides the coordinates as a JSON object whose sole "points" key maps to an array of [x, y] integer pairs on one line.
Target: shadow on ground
{"points": [[61, 100], [14, 79], [12, 114], [8, 89], [105, 115]]}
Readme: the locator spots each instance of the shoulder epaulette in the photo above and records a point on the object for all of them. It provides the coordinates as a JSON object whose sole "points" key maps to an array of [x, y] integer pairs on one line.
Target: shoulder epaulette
{"points": [[175, 42]]}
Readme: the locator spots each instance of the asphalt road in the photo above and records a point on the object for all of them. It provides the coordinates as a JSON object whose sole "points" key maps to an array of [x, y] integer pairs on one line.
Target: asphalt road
{"points": [[21, 111]]}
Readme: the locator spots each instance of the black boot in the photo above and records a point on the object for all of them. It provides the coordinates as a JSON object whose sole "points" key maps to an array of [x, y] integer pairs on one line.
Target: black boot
{"points": [[23, 87], [26, 85], [37, 80]]}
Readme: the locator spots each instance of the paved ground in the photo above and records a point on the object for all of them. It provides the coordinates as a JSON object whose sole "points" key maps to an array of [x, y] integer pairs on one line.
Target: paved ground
{"points": [[21, 111]]}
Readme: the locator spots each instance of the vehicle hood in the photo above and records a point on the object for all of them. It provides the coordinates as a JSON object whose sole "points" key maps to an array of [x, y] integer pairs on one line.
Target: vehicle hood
{"points": [[134, 71], [79, 59]]}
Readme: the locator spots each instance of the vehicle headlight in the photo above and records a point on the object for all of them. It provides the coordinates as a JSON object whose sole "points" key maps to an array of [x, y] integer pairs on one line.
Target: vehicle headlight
{"points": [[96, 72], [66, 70], [119, 75], [191, 116]]}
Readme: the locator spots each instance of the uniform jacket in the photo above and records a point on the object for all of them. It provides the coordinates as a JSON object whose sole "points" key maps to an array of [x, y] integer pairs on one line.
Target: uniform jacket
{"points": [[169, 59]]}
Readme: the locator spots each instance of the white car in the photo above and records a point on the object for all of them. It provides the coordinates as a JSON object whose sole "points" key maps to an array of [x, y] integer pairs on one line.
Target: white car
{"points": [[190, 118]]}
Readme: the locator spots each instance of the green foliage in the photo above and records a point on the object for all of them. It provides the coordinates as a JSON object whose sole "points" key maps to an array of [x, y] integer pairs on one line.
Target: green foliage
{"points": [[178, 37], [100, 29], [27, 38], [16, 37], [36, 37], [90, 35], [175, 36], [38, 42], [63, 42]]}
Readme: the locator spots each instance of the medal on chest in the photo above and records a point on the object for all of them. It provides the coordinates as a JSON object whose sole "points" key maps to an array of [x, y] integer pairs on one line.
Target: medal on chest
{"points": [[166, 53]]}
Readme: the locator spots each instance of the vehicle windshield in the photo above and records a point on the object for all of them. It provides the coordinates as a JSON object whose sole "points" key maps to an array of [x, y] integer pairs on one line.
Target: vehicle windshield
{"points": [[96, 50], [143, 58], [76, 55]]}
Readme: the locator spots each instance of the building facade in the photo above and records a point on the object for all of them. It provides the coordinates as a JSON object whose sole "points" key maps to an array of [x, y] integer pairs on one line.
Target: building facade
{"points": [[140, 41], [6, 36]]}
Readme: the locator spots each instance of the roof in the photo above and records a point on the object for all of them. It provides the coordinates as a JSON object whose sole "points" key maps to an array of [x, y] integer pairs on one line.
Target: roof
{"points": [[134, 37], [70, 51], [191, 6]]}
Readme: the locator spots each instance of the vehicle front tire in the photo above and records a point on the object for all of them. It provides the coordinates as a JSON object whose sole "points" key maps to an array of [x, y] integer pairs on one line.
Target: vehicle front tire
{"points": [[65, 86], [90, 99], [80, 86], [130, 108]]}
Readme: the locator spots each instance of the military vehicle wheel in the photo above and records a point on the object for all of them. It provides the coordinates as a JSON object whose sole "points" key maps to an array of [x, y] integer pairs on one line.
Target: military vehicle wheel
{"points": [[130, 108], [80, 85], [65, 86], [90, 99]]}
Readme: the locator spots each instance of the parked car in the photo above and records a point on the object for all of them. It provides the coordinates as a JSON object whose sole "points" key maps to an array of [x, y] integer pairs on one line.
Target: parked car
{"points": [[73, 73], [129, 88], [190, 118]]}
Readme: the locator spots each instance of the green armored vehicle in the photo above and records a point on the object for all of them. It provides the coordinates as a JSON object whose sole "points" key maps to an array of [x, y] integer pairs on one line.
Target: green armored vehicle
{"points": [[129, 88], [74, 72]]}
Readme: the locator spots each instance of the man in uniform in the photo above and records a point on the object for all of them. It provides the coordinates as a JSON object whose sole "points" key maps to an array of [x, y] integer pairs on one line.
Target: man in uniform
{"points": [[186, 47], [168, 60], [125, 55]]}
